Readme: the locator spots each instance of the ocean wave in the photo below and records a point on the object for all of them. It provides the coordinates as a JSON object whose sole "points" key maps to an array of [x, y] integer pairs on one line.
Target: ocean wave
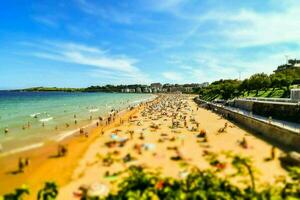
{"points": [[46, 119], [21, 149], [93, 110], [66, 134], [35, 115]]}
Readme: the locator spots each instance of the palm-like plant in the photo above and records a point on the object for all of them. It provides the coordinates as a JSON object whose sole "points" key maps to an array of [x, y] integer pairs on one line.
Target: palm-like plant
{"points": [[242, 163], [49, 192], [18, 194]]}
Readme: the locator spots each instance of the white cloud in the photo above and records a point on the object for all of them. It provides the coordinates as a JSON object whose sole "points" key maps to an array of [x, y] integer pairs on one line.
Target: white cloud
{"points": [[251, 28], [107, 13], [46, 20], [86, 55], [253, 41], [166, 5], [115, 65], [173, 76]]}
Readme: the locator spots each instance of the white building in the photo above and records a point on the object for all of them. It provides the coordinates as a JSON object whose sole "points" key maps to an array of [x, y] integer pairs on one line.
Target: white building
{"points": [[295, 95], [138, 90]]}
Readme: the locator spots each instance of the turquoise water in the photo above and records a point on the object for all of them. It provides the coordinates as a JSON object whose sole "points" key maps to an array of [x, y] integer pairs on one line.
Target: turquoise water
{"points": [[32, 117]]}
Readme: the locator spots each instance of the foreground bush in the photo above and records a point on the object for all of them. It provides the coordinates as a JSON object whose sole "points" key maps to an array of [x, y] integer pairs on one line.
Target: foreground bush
{"points": [[197, 185], [203, 185]]}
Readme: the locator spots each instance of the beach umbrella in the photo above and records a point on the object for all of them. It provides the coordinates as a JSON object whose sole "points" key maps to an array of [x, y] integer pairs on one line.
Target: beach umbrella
{"points": [[98, 190]]}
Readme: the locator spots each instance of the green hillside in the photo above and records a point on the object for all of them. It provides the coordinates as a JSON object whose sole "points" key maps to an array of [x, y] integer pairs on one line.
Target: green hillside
{"points": [[276, 85]]}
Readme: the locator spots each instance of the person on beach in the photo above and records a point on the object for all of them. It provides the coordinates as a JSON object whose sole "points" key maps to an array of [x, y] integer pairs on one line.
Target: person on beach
{"points": [[81, 131], [100, 119], [62, 151], [244, 143], [26, 162], [273, 153], [21, 165], [86, 134]]}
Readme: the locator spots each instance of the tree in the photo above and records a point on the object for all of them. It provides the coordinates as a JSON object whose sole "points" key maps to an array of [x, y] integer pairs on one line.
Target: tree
{"points": [[244, 86], [276, 80], [259, 81], [286, 82], [229, 89]]}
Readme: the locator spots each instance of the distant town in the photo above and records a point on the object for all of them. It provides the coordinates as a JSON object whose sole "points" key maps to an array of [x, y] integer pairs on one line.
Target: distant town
{"points": [[135, 88], [166, 88]]}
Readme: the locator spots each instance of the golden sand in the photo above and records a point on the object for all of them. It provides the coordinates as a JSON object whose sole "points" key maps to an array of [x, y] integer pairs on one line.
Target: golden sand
{"points": [[84, 164]]}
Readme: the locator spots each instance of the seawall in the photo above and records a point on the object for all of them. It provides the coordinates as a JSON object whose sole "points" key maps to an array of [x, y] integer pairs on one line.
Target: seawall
{"points": [[282, 136], [288, 111]]}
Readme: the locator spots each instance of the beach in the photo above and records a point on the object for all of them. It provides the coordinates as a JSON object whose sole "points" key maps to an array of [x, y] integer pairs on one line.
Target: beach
{"points": [[169, 135], [45, 166]]}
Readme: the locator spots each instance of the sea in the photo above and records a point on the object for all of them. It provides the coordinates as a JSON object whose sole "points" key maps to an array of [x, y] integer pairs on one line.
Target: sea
{"points": [[34, 118]]}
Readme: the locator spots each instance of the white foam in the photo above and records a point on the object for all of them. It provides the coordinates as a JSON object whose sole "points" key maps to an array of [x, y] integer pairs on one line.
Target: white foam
{"points": [[26, 148], [93, 110], [35, 114], [64, 135], [46, 119]]}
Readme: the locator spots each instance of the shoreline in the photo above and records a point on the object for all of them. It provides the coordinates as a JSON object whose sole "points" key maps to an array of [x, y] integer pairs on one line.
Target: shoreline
{"points": [[41, 157], [64, 134]]}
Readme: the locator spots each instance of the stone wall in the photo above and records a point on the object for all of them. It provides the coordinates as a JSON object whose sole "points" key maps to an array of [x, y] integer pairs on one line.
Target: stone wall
{"points": [[243, 104], [287, 112], [277, 110], [278, 134]]}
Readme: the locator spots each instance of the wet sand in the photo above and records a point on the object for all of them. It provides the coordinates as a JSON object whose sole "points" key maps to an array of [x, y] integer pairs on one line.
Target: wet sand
{"points": [[100, 164]]}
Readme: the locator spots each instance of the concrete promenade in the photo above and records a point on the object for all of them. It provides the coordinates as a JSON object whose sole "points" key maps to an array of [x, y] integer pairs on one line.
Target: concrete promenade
{"points": [[295, 127]]}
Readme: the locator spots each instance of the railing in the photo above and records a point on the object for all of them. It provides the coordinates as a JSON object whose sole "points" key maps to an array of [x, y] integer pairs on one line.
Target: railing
{"points": [[285, 100]]}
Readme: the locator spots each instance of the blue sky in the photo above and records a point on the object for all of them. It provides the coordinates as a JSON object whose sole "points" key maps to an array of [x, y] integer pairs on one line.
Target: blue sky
{"points": [[77, 43]]}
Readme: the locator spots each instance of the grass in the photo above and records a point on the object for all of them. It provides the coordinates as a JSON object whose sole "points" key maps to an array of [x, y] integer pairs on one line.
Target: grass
{"points": [[268, 93]]}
